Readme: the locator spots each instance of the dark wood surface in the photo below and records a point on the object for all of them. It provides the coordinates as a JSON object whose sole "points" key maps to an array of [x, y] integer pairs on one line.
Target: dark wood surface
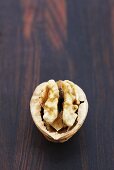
{"points": [[56, 39]]}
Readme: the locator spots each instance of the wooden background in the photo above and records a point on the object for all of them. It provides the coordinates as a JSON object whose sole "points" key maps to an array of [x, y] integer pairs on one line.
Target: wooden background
{"points": [[59, 39]]}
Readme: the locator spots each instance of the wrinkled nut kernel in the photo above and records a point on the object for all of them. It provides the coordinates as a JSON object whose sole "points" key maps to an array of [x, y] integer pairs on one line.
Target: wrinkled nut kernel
{"points": [[69, 115], [58, 109], [50, 106]]}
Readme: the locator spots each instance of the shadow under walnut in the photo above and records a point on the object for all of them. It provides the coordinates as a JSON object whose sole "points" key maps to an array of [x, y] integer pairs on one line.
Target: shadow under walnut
{"points": [[37, 111]]}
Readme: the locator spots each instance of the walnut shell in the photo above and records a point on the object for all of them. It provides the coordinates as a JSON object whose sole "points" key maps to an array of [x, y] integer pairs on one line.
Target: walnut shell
{"points": [[56, 136]]}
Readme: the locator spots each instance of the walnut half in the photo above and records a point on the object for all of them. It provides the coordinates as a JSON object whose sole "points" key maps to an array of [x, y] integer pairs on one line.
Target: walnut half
{"points": [[58, 109]]}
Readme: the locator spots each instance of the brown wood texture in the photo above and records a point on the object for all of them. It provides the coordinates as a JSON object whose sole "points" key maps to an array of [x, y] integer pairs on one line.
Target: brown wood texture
{"points": [[56, 39]]}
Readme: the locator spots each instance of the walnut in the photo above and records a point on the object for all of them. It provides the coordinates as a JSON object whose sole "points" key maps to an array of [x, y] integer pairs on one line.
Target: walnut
{"points": [[58, 109]]}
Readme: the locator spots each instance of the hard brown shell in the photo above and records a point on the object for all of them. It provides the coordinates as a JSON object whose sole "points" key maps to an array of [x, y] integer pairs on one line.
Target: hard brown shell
{"points": [[35, 108]]}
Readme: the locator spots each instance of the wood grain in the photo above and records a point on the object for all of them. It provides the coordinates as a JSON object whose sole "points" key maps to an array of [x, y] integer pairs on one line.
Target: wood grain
{"points": [[59, 39]]}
